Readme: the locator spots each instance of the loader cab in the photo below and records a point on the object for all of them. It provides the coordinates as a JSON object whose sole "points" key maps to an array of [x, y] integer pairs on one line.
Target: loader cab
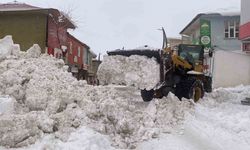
{"points": [[194, 54]]}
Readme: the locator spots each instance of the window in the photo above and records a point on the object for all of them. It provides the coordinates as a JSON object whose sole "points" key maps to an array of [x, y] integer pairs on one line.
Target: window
{"points": [[231, 29], [79, 51], [89, 59], [75, 59], [70, 47], [86, 57], [194, 50]]}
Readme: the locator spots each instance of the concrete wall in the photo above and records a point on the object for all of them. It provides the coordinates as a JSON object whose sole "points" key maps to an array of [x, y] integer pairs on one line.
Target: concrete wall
{"points": [[231, 69], [218, 35], [245, 11], [27, 28]]}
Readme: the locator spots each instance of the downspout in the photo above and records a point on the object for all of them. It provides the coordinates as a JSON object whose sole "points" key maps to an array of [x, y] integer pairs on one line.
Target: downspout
{"points": [[47, 30]]}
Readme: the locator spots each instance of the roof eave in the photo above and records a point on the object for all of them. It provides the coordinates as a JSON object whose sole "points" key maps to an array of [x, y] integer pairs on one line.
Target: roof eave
{"points": [[93, 54], [70, 24], [190, 23], [70, 35]]}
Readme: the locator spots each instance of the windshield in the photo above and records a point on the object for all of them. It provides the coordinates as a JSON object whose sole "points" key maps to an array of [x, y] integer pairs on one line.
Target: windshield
{"points": [[191, 52]]}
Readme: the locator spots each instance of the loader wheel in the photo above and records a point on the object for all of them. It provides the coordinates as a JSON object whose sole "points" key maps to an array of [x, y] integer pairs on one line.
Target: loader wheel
{"points": [[208, 84], [147, 95], [190, 88], [196, 93]]}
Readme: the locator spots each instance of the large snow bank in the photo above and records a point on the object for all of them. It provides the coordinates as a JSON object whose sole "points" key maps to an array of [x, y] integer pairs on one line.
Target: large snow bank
{"points": [[34, 83], [49, 107], [120, 113], [6, 105], [84, 138], [23, 129], [7, 47], [49, 100], [138, 71]]}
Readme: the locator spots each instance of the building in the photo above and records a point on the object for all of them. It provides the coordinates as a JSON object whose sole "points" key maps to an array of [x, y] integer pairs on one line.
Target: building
{"points": [[174, 42], [47, 27], [79, 59], [245, 25], [29, 24], [216, 30]]}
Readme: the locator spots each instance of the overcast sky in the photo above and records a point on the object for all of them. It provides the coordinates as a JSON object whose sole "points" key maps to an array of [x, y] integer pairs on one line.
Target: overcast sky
{"points": [[112, 24]]}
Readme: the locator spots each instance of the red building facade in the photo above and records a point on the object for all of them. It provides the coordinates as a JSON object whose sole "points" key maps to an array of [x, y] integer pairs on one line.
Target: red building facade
{"points": [[244, 35], [76, 54], [57, 25]]}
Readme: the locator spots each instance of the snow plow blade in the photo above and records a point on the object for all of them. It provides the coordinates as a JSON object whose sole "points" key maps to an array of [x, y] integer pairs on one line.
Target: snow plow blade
{"points": [[246, 101], [145, 52]]}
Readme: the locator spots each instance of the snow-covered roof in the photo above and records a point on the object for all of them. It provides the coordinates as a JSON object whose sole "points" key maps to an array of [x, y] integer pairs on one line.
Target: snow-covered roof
{"points": [[93, 53], [146, 47], [225, 13], [17, 7], [230, 13]]}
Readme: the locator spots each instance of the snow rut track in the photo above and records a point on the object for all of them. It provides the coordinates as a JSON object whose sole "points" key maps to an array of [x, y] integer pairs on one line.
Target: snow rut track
{"points": [[219, 122], [49, 100]]}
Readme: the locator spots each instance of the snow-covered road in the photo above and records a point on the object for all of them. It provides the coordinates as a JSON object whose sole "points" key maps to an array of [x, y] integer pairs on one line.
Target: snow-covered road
{"points": [[220, 122]]}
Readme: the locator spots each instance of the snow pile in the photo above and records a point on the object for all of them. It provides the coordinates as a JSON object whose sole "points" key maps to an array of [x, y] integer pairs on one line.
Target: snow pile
{"points": [[22, 129], [6, 105], [35, 84], [49, 100], [50, 109], [84, 138], [7, 47], [34, 51], [120, 113], [131, 71]]}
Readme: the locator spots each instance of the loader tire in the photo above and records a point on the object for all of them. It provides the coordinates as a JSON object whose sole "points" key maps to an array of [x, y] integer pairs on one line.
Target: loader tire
{"points": [[190, 88], [208, 84], [147, 95]]}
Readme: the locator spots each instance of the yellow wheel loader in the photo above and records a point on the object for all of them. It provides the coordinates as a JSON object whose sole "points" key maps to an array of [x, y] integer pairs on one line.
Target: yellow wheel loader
{"points": [[183, 73]]}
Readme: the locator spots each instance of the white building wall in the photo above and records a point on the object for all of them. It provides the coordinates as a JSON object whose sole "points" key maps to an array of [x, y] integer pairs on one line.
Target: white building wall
{"points": [[245, 11], [231, 69], [218, 33]]}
